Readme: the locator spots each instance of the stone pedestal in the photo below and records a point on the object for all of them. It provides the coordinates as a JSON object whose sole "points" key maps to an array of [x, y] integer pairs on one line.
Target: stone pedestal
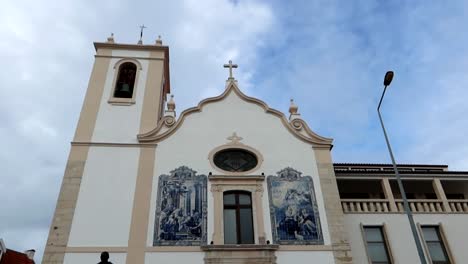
{"points": [[242, 254]]}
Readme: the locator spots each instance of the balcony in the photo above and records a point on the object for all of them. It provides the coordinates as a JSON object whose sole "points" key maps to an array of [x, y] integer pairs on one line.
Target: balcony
{"points": [[377, 196]]}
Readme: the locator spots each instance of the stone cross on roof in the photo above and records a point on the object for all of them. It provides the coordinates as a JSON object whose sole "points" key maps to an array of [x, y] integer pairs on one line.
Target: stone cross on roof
{"points": [[230, 66]]}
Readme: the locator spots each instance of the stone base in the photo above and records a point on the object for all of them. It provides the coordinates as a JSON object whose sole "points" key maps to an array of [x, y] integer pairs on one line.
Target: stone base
{"points": [[242, 254]]}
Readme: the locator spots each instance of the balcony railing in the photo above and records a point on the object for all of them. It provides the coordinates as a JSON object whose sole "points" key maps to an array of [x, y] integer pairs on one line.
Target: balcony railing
{"points": [[365, 205], [416, 205], [421, 205], [458, 206]]}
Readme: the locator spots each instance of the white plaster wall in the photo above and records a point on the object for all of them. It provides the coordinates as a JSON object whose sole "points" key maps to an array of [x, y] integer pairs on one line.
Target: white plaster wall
{"points": [[202, 132], [305, 257], [121, 123], [175, 257], [131, 53], [91, 258], [105, 201], [400, 236]]}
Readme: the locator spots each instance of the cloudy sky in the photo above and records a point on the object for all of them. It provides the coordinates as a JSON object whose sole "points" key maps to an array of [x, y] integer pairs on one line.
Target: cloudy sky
{"points": [[330, 56]]}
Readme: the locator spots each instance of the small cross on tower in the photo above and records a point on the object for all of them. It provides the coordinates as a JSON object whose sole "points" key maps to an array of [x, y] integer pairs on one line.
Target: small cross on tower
{"points": [[230, 66], [142, 27]]}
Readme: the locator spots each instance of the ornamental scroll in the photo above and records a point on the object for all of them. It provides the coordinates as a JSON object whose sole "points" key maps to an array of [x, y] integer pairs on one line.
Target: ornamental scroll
{"points": [[181, 209], [293, 209]]}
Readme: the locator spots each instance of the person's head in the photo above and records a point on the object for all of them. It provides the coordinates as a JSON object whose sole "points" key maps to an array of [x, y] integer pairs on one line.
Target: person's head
{"points": [[105, 256]]}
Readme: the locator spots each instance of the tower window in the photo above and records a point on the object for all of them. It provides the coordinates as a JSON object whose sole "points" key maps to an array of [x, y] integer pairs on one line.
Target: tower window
{"points": [[125, 80], [238, 220]]}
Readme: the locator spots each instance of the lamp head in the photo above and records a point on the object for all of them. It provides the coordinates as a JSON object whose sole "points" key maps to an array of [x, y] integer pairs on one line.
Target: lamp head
{"points": [[388, 78]]}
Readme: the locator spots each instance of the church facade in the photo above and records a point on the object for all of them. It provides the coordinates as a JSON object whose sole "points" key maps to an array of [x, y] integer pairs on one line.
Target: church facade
{"points": [[230, 181]]}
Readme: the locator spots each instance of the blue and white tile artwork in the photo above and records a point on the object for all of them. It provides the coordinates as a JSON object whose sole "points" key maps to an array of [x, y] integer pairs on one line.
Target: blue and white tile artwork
{"points": [[181, 209], [293, 209]]}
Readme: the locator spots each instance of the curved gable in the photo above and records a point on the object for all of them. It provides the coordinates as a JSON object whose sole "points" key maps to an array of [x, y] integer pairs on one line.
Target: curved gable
{"points": [[298, 127]]}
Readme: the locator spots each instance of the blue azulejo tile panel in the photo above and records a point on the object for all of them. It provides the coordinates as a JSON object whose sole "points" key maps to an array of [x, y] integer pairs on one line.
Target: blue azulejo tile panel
{"points": [[181, 209], [293, 209]]}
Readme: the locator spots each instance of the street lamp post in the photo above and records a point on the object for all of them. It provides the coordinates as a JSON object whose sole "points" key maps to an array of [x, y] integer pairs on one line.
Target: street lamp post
{"points": [[387, 80]]}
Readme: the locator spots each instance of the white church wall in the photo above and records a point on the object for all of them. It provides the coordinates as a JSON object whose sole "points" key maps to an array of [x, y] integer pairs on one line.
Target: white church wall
{"points": [[305, 257], [400, 237], [105, 201], [175, 257], [121, 123], [201, 132], [82, 258]]}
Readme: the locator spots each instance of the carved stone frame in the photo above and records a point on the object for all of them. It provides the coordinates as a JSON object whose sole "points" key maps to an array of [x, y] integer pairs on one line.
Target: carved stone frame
{"points": [[124, 101], [235, 144], [288, 175], [252, 184], [181, 174]]}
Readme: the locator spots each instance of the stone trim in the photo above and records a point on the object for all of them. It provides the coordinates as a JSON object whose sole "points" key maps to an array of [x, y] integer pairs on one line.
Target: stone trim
{"points": [[141, 207], [88, 116], [123, 57], [60, 227], [154, 96], [119, 145], [332, 204]]}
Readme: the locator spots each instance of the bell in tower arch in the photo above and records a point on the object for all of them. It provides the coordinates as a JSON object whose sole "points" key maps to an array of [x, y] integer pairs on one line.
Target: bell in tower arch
{"points": [[125, 80]]}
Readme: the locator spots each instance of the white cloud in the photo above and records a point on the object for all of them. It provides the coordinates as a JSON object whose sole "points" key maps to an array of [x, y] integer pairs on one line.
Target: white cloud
{"points": [[328, 55]]}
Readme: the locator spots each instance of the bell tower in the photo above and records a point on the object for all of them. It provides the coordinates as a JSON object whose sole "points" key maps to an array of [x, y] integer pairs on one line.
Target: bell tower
{"points": [[126, 92], [95, 208]]}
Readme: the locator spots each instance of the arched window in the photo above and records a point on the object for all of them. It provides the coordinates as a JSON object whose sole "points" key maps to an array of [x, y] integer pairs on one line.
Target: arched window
{"points": [[125, 80], [238, 221]]}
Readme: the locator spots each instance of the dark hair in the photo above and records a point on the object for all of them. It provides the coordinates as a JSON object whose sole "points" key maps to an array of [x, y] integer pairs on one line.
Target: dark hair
{"points": [[104, 256]]}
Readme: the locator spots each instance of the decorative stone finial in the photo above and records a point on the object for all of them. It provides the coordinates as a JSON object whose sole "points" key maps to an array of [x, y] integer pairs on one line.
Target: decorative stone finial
{"points": [[293, 111], [159, 41], [171, 104], [170, 107], [293, 108], [111, 38]]}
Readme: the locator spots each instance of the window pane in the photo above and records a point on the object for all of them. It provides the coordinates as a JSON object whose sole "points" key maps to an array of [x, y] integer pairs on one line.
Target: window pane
{"points": [[373, 234], [436, 251], [246, 228], [377, 252], [230, 199], [230, 234], [430, 233], [244, 199]]}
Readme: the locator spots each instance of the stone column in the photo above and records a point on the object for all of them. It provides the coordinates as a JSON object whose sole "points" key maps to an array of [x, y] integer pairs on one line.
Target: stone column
{"points": [[439, 190], [216, 190], [260, 221], [389, 194], [332, 202]]}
